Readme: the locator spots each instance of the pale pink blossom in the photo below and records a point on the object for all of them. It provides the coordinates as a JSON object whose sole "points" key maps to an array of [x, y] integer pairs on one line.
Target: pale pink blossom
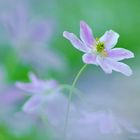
{"points": [[101, 51]]}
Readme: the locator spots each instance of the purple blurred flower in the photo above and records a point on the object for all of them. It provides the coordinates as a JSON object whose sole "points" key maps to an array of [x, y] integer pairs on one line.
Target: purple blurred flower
{"points": [[37, 86], [101, 51], [39, 90], [46, 102], [108, 123], [29, 37], [9, 97], [21, 30], [100, 125]]}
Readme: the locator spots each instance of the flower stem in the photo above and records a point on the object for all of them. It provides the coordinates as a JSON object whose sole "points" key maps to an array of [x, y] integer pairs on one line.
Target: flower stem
{"points": [[69, 99]]}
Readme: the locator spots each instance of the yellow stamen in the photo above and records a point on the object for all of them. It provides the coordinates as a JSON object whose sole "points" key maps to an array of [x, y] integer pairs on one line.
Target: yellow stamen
{"points": [[99, 48]]}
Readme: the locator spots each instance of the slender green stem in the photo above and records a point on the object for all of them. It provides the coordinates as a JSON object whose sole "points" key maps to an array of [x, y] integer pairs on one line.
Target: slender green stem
{"points": [[69, 99]]}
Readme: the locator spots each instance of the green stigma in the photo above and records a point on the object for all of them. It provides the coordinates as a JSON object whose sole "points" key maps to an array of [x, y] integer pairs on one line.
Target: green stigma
{"points": [[100, 47]]}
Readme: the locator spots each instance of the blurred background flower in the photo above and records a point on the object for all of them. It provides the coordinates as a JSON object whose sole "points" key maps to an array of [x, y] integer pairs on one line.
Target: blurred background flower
{"points": [[30, 38]]}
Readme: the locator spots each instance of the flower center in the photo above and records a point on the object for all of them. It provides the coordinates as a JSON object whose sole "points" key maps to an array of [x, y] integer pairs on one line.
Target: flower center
{"points": [[100, 48]]}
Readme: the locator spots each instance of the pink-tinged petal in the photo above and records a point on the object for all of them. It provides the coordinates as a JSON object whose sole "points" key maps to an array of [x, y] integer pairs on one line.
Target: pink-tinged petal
{"points": [[89, 58], [110, 39], [86, 34], [37, 86], [75, 41], [33, 104], [103, 64], [105, 123], [108, 124], [29, 87], [119, 67], [120, 54]]}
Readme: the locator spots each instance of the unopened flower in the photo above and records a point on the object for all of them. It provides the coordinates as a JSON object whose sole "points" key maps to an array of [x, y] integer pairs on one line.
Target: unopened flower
{"points": [[101, 51]]}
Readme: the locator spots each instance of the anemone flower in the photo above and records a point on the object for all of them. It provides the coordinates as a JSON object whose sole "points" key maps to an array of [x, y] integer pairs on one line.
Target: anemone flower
{"points": [[38, 90], [101, 51], [45, 102]]}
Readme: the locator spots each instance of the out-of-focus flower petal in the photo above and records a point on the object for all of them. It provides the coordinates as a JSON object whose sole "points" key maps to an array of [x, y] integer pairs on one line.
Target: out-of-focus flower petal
{"points": [[26, 87], [36, 85], [78, 44], [10, 95], [110, 39], [102, 63], [33, 105], [41, 31], [119, 67], [108, 124], [89, 58], [15, 22], [86, 34], [120, 54], [29, 36]]}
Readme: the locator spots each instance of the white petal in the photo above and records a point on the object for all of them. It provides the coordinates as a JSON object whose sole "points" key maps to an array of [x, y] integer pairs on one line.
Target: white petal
{"points": [[89, 58], [108, 123], [104, 65], [110, 39], [120, 54], [33, 104], [119, 67], [29, 87], [105, 123], [77, 43]]}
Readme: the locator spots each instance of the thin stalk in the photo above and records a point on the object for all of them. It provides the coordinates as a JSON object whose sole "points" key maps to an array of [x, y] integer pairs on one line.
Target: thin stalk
{"points": [[69, 99]]}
